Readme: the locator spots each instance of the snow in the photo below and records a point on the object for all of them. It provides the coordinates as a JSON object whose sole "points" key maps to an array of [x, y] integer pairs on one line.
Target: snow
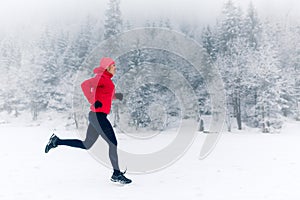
{"points": [[244, 166]]}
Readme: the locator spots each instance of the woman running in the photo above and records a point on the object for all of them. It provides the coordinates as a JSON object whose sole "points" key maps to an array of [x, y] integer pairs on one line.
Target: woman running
{"points": [[99, 91]]}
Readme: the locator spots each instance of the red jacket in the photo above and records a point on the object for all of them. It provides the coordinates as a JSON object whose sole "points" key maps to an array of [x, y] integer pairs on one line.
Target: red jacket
{"points": [[100, 88]]}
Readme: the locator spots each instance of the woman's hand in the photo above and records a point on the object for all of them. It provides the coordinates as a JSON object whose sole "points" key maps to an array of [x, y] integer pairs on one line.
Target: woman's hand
{"points": [[119, 96], [97, 104]]}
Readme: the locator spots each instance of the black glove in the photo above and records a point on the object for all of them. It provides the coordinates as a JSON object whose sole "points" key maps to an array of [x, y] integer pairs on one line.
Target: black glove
{"points": [[97, 104], [119, 96]]}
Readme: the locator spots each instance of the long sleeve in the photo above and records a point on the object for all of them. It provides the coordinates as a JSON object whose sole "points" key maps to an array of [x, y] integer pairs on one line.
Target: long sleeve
{"points": [[99, 88], [114, 95], [87, 87]]}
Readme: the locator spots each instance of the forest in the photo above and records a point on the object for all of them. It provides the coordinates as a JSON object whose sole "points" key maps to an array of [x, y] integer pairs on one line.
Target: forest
{"points": [[258, 59]]}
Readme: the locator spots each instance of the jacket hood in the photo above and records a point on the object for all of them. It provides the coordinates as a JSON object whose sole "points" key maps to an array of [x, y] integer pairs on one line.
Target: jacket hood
{"points": [[104, 64]]}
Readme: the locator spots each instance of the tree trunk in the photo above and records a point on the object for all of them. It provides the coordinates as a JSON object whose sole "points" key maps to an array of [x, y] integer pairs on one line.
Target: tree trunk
{"points": [[75, 120], [265, 127], [256, 121], [16, 112], [228, 120], [201, 126], [239, 114], [237, 109], [116, 115], [298, 111], [34, 111]]}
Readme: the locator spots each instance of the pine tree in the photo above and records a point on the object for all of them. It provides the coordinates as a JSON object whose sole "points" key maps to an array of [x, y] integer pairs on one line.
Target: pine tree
{"points": [[289, 52], [47, 75], [268, 75], [208, 42], [165, 23], [232, 51], [127, 26], [47, 94], [251, 28], [76, 51], [230, 27], [10, 61], [84, 42], [113, 22], [251, 31], [187, 29]]}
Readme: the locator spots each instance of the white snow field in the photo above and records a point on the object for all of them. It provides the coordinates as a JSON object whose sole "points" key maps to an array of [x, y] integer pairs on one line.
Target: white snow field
{"points": [[245, 166]]}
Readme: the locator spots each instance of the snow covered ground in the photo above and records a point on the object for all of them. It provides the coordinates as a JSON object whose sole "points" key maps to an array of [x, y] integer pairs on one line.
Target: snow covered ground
{"points": [[245, 166]]}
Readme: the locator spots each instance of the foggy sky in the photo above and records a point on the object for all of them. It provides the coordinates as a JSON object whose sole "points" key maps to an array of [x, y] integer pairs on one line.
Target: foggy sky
{"points": [[18, 13]]}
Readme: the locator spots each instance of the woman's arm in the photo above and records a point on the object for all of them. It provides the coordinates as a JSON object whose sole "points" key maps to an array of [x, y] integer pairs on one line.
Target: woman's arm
{"points": [[87, 88]]}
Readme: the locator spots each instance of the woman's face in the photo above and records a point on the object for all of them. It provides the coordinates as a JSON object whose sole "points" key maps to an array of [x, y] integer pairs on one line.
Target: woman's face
{"points": [[112, 69]]}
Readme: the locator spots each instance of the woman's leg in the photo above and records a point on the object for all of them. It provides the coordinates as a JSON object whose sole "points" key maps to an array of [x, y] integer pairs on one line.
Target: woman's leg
{"points": [[100, 122], [104, 128], [91, 137]]}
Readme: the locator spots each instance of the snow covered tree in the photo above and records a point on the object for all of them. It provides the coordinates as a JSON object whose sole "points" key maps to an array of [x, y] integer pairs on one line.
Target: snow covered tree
{"points": [[47, 76], [165, 23], [138, 103], [229, 27], [127, 25], [208, 41], [251, 28], [251, 32], [232, 51], [187, 29], [234, 72], [49, 62], [289, 54], [84, 41], [268, 75], [10, 62], [233, 46], [113, 23], [76, 48]]}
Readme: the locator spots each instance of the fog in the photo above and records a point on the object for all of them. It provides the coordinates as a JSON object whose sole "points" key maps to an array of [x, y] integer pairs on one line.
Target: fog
{"points": [[20, 13]]}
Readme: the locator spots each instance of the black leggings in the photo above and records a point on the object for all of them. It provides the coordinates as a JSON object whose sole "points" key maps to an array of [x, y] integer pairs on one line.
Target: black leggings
{"points": [[98, 125]]}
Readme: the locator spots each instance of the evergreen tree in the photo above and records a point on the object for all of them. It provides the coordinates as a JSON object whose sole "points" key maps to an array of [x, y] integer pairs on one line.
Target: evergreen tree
{"points": [[47, 76], [251, 31], [230, 27], [232, 51], [165, 23], [187, 29], [47, 93], [251, 28], [113, 22], [208, 41], [10, 62], [289, 52], [269, 77], [84, 42], [127, 26]]}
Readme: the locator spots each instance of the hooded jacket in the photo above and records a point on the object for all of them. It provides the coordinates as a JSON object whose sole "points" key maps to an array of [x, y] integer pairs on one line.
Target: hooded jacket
{"points": [[100, 88]]}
